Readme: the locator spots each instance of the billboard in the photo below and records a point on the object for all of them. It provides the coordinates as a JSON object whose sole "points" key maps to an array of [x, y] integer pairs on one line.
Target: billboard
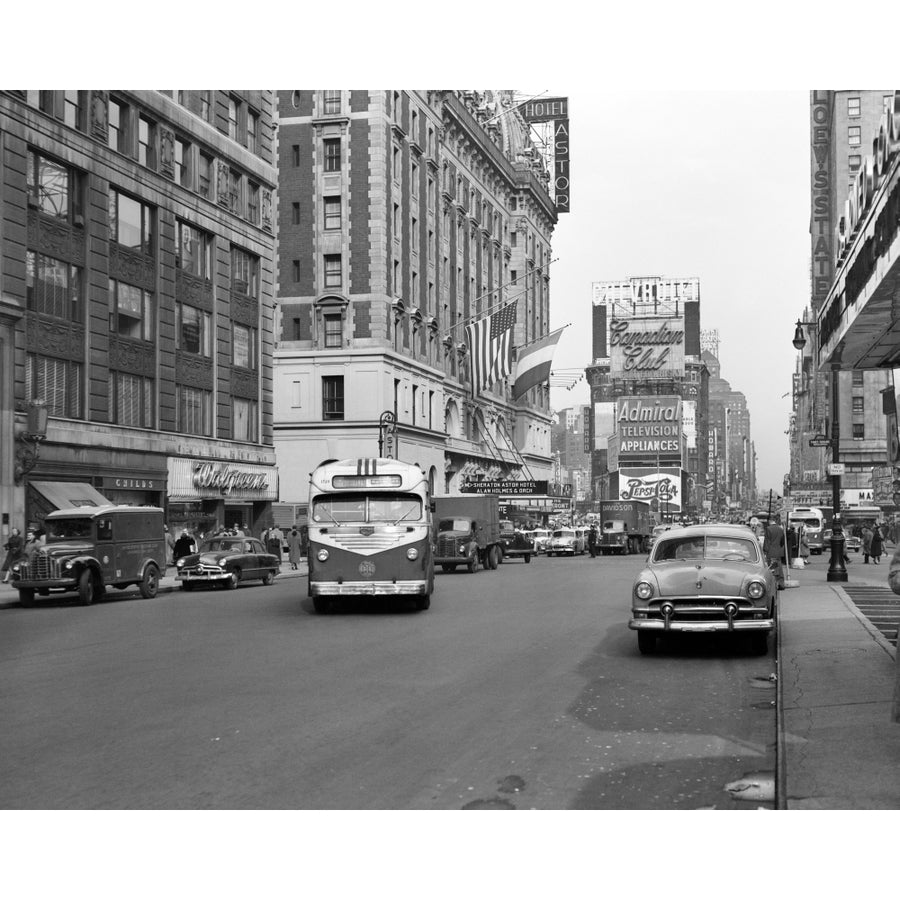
{"points": [[649, 430], [604, 423], [646, 348], [662, 485]]}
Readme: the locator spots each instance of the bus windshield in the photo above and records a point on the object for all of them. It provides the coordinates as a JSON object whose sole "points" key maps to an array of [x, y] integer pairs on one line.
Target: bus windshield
{"points": [[354, 508]]}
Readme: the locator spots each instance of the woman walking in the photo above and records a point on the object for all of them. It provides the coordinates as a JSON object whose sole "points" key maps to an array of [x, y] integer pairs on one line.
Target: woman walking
{"points": [[866, 543], [295, 546], [877, 545], [13, 548]]}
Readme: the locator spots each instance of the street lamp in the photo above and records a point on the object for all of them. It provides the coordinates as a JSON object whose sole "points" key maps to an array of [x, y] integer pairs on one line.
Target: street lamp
{"points": [[837, 571]]}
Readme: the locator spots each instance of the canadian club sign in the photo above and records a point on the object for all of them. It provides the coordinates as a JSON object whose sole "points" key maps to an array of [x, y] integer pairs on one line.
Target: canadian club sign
{"points": [[663, 485], [645, 348]]}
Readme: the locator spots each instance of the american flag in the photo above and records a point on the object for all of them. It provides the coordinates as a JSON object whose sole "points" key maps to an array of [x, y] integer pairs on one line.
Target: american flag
{"points": [[490, 347]]}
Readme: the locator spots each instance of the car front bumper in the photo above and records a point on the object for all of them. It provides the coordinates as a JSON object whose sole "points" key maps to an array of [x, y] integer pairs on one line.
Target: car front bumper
{"points": [[701, 614], [367, 588]]}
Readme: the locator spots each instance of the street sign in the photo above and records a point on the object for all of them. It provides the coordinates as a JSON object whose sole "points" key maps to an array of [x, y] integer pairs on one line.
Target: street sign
{"points": [[819, 441], [835, 468]]}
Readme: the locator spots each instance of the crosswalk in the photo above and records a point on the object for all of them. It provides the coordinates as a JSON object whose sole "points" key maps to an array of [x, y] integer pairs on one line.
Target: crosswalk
{"points": [[880, 605]]}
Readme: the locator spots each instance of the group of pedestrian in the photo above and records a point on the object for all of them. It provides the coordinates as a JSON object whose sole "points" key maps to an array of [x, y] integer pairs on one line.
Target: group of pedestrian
{"points": [[872, 543], [18, 547]]}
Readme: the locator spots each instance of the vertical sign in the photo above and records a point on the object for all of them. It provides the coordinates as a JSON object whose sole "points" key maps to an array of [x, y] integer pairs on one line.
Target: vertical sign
{"points": [[561, 164], [822, 197]]}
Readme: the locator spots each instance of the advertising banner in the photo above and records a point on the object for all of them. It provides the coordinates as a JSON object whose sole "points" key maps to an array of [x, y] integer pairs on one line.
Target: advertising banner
{"points": [[604, 423], [649, 430], [646, 348], [648, 485], [689, 423]]}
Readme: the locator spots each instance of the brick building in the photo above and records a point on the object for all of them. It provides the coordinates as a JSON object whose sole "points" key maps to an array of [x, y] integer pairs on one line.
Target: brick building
{"points": [[136, 313]]}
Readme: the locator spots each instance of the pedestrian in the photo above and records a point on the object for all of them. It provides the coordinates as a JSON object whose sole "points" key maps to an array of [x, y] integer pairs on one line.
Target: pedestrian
{"points": [[877, 547], [170, 546], [31, 544], [773, 550], [184, 546], [592, 540], [295, 546], [13, 548], [804, 546], [866, 543], [240, 530]]}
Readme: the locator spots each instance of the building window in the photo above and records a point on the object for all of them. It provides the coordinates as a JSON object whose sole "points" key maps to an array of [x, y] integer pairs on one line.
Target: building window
{"points": [[55, 381], [859, 431], [245, 427], [332, 397], [332, 154], [332, 102], [252, 131], [253, 203], [414, 235], [53, 287], [295, 213], [853, 107], [887, 102], [131, 400], [853, 134], [235, 185], [295, 155], [117, 136], [193, 250], [182, 163], [194, 411], [855, 161], [334, 325], [193, 330], [233, 112], [206, 106], [244, 346], [858, 404], [130, 222], [73, 109], [244, 273], [131, 311], [858, 378], [52, 187], [333, 270], [147, 142], [295, 269], [204, 176], [395, 165], [332, 206]]}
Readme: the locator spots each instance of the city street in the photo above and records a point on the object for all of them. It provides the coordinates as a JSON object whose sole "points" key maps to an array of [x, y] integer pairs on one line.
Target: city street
{"points": [[520, 688]]}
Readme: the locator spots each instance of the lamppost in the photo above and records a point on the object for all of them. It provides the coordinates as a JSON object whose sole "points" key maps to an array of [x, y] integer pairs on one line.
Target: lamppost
{"points": [[837, 571]]}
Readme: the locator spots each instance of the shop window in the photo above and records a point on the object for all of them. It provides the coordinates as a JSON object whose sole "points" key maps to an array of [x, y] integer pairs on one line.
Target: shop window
{"points": [[53, 287], [332, 397], [131, 311]]}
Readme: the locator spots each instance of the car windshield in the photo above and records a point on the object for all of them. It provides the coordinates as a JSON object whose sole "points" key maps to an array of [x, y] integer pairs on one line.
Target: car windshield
{"points": [[221, 544], [68, 528], [358, 507], [563, 534], [707, 547]]}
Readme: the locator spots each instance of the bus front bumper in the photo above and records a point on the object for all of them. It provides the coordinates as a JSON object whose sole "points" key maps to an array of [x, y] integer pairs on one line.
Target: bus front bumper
{"points": [[366, 588]]}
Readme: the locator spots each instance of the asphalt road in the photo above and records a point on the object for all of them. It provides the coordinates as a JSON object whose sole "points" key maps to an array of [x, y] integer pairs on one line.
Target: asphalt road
{"points": [[520, 688]]}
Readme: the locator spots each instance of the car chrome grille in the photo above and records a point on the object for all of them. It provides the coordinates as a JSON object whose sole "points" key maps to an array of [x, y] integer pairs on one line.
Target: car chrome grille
{"points": [[701, 607], [41, 566], [446, 545]]}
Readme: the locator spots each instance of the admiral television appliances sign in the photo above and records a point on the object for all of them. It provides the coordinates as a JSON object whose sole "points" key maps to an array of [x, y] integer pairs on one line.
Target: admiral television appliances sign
{"points": [[649, 430]]}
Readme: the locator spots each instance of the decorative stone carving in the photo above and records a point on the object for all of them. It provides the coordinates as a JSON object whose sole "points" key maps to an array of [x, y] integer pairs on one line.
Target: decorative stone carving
{"points": [[244, 310], [222, 183], [244, 384], [167, 152], [194, 371], [50, 337], [100, 115], [130, 356], [131, 266], [267, 209]]}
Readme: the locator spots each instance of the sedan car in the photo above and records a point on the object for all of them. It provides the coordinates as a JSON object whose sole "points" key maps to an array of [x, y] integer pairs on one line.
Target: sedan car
{"points": [[515, 543], [541, 538], [226, 562], [851, 541], [706, 579], [566, 542]]}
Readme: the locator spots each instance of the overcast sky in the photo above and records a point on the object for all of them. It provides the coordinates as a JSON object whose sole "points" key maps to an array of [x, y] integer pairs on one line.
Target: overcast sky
{"points": [[689, 183]]}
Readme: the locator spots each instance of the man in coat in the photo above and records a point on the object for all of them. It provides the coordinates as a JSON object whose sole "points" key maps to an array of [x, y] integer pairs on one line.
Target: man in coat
{"points": [[773, 549]]}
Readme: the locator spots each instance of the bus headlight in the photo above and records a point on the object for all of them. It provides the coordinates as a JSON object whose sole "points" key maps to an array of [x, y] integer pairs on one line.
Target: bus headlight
{"points": [[412, 553], [322, 555]]}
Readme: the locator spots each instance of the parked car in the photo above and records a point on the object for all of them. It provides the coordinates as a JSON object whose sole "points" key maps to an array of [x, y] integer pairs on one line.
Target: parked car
{"points": [[704, 579], [515, 543], [566, 542], [226, 562], [851, 541]]}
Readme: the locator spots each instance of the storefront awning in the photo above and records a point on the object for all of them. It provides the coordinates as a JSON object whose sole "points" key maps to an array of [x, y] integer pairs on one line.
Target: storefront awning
{"points": [[70, 494]]}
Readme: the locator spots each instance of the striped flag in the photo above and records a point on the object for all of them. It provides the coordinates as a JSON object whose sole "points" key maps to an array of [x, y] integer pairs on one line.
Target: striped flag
{"points": [[533, 364], [490, 346]]}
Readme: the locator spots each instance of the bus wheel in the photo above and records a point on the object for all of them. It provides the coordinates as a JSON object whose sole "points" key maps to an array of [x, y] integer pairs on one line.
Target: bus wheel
{"points": [[423, 603], [322, 605]]}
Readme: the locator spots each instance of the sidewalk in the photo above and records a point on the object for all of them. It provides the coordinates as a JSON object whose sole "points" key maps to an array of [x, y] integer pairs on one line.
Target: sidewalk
{"points": [[837, 747], [9, 596]]}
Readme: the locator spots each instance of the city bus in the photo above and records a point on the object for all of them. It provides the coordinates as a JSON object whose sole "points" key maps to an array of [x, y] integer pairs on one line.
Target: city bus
{"points": [[369, 532]]}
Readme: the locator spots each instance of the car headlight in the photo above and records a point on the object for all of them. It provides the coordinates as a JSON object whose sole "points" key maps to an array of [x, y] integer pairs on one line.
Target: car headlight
{"points": [[756, 590], [462, 549], [412, 553], [322, 555], [179, 563], [643, 590], [68, 564]]}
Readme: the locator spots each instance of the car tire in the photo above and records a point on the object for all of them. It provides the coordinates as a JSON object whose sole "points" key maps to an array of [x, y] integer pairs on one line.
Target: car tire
{"points": [[472, 565], [87, 588], [322, 605], [759, 643], [527, 557], [269, 578], [448, 567], [187, 585], [26, 596], [423, 603], [149, 584], [646, 642], [233, 580], [497, 556]]}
